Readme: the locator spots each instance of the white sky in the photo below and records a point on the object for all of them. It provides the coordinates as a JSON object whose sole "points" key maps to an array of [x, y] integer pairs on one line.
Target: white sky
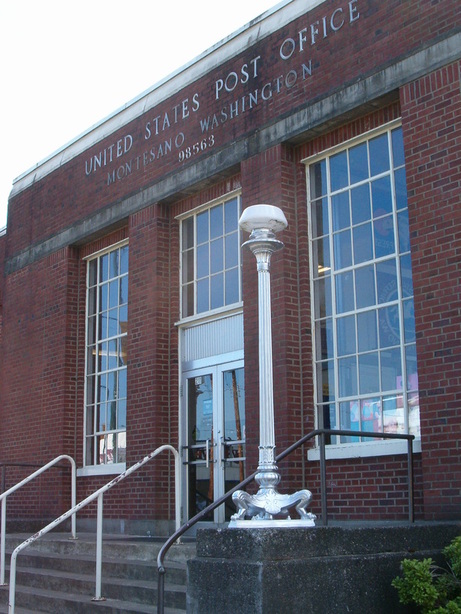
{"points": [[67, 64]]}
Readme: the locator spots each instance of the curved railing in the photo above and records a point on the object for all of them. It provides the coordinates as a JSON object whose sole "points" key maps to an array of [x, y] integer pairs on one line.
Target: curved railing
{"points": [[322, 434], [98, 494], [23, 482]]}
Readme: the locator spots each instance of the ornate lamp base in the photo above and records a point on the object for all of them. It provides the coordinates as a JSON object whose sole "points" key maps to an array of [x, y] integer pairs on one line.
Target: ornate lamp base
{"points": [[266, 504]]}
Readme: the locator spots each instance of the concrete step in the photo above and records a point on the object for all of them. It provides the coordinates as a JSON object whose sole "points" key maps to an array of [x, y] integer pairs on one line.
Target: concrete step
{"points": [[31, 600], [56, 574]]}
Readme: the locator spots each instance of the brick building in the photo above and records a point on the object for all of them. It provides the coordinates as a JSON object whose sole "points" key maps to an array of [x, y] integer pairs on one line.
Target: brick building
{"points": [[128, 312]]}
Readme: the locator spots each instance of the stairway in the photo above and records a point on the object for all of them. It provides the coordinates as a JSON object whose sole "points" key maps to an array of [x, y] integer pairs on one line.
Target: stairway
{"points": [[56, 575]]}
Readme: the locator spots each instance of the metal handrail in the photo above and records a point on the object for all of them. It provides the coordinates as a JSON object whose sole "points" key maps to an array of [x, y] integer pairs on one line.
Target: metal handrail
{"points": [[23, 482], [321, 433], [98, 494]]}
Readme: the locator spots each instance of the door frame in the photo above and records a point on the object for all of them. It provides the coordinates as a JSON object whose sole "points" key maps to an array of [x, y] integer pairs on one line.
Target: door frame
{"points": [[216, 367]]}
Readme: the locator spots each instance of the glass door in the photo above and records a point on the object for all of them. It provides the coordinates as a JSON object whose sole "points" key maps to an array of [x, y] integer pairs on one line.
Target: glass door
{"points": [[214, 450]]}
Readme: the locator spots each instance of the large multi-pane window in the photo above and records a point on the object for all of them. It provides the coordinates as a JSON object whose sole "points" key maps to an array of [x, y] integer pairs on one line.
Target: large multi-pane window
{"points": [[210, 258], [106, 358], [363, 316]]}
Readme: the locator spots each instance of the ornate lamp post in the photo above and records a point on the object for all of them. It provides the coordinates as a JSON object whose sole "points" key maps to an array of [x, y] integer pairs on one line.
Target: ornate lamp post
{"points": [[263, 221]]}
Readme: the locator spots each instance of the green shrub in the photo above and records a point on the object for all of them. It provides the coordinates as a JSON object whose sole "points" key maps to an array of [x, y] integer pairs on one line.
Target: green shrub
{"points": [[435, 590]]}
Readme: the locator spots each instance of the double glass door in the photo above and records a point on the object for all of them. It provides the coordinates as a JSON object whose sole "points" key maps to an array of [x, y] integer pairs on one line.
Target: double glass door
{"points": [[214, 450]]}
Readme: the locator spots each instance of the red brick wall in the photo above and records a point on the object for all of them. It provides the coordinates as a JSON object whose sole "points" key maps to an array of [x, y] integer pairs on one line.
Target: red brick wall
{"points": [[39, 376], [432, 133]]}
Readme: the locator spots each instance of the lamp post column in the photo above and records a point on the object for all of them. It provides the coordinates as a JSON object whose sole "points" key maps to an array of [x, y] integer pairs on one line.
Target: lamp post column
{"points": [[263, 221]]}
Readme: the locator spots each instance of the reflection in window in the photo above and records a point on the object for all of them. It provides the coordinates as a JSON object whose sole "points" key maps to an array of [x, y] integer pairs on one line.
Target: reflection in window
{"points": [[365, 342], [210, 259], [106, 358]]}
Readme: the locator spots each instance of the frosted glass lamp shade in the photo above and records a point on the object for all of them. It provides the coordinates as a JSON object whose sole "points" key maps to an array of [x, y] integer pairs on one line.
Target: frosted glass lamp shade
{"points": [[265, 217]]}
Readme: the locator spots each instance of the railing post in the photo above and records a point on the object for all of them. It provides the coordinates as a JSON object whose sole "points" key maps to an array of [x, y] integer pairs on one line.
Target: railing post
{"points": [[177, 488], [411, 506], [323, 479], [97, 596], [12, 589], [2, 544]]}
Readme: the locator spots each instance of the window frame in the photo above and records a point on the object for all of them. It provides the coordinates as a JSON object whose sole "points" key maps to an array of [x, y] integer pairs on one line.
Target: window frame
{"points": [[371, 447], [192, 214], [101, 468]]}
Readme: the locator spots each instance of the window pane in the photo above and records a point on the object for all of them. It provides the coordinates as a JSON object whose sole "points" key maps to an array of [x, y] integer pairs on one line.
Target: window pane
{"points": [[391, 369], [363, 243], [187, 229], [344, 292], [397, 147], [203, 261], [92, 272], [342, 249], [381, 196], [365, 286], [406, 275], [409, 321], [360, 204], [123, 298], [389, 326], [188, 300], [203, 295], [121, 417], [216, 222], [338, 171], [324, 338], [320, 221], [112, 317], [358, 162], [379, 155], [384, 236], [232, 250], [322, 255], [411, 367], [103, 292], [340, 211], [202, 227], [326, 386], [400, 188], [322, 297], [231, 216], [216, 255], [368, 373], [232, 286], [217, 291], [124, 260], [91, 301], [114, 263], [318, 182], [349, 415], [103, 268], [345, 330], [370, 417], [386, 278], [367, 331], [393, 414], [347, 369], [113, 293], [187, 266], [404, 231]]}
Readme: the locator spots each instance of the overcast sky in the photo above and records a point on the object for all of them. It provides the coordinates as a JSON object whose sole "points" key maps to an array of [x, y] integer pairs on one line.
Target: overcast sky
{"points": [[67, 64]]}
